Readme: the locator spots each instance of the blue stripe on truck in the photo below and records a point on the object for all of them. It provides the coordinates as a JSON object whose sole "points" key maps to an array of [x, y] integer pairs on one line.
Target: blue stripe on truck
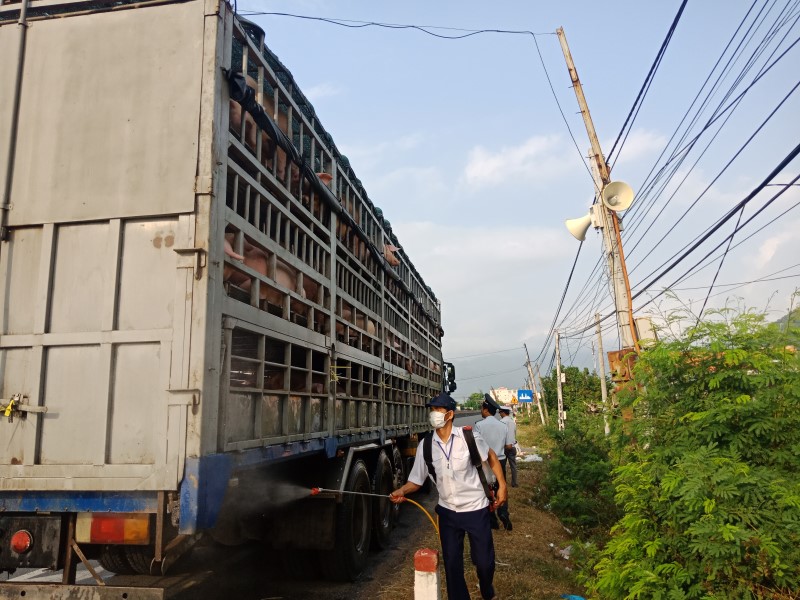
{"points": [[205, 479], [63, 501]]}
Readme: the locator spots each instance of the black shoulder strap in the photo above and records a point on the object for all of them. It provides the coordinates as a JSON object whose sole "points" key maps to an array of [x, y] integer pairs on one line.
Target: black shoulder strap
{"points": [[469, 437], [427, 454]]}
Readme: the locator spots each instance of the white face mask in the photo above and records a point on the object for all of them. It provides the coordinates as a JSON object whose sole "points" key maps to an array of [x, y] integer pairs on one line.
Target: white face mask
{"points": [[437, 419]]}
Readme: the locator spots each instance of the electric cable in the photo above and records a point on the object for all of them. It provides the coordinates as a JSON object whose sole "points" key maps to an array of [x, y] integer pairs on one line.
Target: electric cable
{"points": [[702, 106], [648, 80], [789, 157], [759, 211], [709, 186], [683, 152], [719, 266]]}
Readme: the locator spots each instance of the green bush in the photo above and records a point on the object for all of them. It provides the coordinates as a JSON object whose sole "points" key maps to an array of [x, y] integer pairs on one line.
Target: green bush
{"points": [[577, 486], [709, 480]]}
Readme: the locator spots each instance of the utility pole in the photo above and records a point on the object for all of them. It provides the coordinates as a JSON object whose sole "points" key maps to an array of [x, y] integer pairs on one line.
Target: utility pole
{"points": [[533, 382], [604, 217], [601, 361], [558, 383], [542, 400]]}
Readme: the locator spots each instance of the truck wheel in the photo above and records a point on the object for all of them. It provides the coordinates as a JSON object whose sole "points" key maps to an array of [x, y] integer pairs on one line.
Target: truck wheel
{"points": [[140, 558], [112, 558], [383, 510], [400, 477], [353, 525], [400, 473]]}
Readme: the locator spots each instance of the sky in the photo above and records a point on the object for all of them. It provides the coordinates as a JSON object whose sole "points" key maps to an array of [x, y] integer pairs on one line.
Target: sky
{"points": [[477, 162]]}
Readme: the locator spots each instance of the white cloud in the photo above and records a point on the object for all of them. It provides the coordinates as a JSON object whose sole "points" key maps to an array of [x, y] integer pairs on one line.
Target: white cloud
{"points": [[486, 278], [538, 158], [769, 248], [640, 143], [323, 90]]}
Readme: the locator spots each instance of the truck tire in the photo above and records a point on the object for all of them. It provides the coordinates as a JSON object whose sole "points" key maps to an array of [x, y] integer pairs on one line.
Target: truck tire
{"points": [[400, 477], [112, 558], [383, 510], [140, 558], [353, 527], [400, 472]]}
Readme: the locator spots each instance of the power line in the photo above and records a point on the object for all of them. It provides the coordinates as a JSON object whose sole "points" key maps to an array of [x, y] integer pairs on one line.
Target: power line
{"points": [[759, 211], [355, 24], [721, 262], [708, 187], [485, 353], [789, 157], [694, 268], [648, 80], [491, 374], [683, 152]]}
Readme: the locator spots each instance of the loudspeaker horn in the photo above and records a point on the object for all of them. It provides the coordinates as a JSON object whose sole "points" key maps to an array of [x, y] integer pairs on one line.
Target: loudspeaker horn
{"points": [[617, 195], [579, 227]]}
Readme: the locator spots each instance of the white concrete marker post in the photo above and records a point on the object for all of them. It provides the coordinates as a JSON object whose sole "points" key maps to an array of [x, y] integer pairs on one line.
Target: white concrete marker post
{"points": [[426, 575]]}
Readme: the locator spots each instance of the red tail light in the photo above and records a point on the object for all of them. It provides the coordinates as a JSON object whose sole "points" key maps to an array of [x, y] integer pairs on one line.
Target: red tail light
{"points": [[21, 541]]}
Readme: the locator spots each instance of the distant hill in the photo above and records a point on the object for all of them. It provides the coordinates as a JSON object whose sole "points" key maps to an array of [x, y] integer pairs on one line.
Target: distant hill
{"points": [[793, 318]]}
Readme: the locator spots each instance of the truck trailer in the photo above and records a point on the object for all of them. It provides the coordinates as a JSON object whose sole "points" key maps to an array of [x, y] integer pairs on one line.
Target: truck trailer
{"points": [[199, 302]]}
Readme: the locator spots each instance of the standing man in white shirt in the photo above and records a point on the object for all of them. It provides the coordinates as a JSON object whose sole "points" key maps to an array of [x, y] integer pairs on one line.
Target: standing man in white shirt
{"points": [[463, 507], [511, 447], [495, 433]]}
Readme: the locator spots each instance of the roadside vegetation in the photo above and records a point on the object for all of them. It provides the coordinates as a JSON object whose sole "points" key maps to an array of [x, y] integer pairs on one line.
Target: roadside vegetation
{"points": [[696, 491]]}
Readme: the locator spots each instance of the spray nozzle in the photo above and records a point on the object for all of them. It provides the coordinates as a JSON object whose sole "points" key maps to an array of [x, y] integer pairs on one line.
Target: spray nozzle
{"points": [[315, 491]]}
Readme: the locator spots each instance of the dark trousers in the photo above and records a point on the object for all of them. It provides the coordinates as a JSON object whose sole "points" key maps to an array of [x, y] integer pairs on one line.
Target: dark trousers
{"points": [[452, 527], [511, 459]]}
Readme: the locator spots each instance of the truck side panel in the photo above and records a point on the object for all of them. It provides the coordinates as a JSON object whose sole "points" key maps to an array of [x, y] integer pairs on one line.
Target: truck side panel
{"points": [[97, 92], [100, 368]]}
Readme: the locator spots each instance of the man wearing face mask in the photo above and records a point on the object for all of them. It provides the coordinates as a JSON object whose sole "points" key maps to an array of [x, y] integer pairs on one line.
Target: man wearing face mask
{"points": [[463, 507]]}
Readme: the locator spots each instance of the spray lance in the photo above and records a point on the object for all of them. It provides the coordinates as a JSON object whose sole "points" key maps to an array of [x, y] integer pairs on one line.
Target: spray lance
{"points": [[315, 491]]}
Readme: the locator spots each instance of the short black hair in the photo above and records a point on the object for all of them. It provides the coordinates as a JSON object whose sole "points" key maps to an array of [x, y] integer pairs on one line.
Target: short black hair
{"points": [[492, 410]]}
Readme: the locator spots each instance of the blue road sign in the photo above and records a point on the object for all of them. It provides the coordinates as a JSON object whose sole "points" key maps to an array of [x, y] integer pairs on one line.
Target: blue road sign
{"points": [[524, 396]]}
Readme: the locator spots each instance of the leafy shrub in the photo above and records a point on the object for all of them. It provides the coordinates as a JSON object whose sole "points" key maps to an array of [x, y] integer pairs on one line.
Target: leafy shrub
{"points": [[577, 485], [710, 476]]}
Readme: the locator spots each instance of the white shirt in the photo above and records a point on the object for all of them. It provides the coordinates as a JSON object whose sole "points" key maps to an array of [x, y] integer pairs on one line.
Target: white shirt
{"points": [[495, 433], [459, 487], [512, 429]]}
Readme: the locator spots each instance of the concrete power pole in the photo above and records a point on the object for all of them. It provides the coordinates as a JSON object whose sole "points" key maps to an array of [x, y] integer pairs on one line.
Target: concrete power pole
{"points": [[604, 217], [558, 383], [544, 403], [533, 383], [601, 361]]}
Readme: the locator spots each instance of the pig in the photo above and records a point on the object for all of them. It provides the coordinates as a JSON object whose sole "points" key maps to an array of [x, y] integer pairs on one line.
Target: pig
{"points": [[235, 111], [229, 273], [285, 276], [273, 379], [326, 179], [268, 145], [388, 254], [299, 381]]}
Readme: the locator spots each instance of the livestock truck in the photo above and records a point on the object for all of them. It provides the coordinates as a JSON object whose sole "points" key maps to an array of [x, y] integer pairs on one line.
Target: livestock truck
{"points": [[198, 302]]}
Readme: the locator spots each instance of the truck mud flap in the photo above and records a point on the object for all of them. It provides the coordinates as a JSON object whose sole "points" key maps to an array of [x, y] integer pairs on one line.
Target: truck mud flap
{"points": [[56, 591]]}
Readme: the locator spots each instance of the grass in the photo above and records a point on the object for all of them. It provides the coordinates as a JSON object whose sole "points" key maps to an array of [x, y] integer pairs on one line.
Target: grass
{"points": [[531, 434]]}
